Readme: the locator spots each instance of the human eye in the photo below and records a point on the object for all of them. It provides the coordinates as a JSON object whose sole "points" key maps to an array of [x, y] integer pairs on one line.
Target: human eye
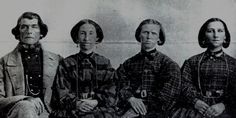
{"points": [[209, 30], [220, 30], [144, 32], [22, 27], [91, 33], [81, 32], [154, 33], [35, 26]]}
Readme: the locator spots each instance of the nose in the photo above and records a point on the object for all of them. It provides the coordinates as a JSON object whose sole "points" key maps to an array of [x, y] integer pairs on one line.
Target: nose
{"points": [[86, 37], [29, 30], [216, 34], [149, 35]]}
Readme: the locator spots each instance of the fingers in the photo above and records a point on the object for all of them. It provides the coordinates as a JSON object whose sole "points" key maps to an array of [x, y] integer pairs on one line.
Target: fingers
{"points": [[85, 107], [218, 109], [201, 106], [143, 108], [210, 112], [138, 106], [202, 111], [38, 104]]}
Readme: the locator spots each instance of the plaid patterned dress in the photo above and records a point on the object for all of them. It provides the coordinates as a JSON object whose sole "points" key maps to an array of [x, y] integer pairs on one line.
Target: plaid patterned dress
{"points": [[153, 77], [82, 76], [208, 78]]}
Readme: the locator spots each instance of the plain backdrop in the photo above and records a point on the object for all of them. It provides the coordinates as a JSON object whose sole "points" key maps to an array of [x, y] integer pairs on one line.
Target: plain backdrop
{"points": [[119, 19]]}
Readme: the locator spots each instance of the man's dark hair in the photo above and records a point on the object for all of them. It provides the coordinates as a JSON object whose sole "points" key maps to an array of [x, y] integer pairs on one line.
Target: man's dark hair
{"points": [[30, 15]]}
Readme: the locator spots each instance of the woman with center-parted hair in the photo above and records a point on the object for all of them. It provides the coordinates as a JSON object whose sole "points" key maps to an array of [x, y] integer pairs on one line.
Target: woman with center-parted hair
{"points": [[149, 81], [84, 87], [208, 77]]}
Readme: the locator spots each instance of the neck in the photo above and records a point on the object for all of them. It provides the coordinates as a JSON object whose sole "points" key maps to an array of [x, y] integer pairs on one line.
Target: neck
{"points": [[215, 49], [148, 50], [30, 46], [216, 52], [87, 51]]}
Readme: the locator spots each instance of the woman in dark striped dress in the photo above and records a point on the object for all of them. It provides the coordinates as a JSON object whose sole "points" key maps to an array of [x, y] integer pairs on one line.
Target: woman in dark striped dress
{"points": [[84, 85], [207, 77]]}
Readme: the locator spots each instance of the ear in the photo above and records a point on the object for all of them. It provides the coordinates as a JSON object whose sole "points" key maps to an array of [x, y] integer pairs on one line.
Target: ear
{"points": [[41, 36], [97, 40], [18, 37], [224, 41]]}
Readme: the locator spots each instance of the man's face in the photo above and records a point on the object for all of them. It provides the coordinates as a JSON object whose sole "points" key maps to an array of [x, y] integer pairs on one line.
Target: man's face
{"points": [[29, 31], [87, 37], [149, 36]]}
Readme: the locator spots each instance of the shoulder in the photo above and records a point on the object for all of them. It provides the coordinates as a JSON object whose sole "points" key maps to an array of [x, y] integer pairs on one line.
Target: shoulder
{"points": [[100, 59], [231, 59], [193, 61], [132, 59], [70, 60], [164, 59], [52, 55], [13, 54], [195, 58]]}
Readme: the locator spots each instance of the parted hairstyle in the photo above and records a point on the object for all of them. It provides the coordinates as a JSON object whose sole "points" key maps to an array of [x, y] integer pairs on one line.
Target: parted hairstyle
{"points": [[75, 30], [30, 15], [202, 37], [151, 21]]}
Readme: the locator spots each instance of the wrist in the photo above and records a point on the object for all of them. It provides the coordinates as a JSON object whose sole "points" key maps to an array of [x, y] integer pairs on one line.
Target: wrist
{"points": [[195, 101], [130, 98]]}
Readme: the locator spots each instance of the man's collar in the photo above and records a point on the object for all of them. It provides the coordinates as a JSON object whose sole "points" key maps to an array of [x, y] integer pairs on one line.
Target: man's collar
{"points": [[32, 48]]}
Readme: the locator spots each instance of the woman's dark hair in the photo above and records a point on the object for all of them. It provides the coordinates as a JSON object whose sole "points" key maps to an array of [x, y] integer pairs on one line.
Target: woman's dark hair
{"points": [[30, 15], [75, 29], [151, 21], [202, 37]]}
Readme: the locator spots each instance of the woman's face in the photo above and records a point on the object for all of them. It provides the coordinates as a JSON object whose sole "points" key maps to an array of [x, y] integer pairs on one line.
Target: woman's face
{"points": [[149, 36], [87, 37], [215, 34]]}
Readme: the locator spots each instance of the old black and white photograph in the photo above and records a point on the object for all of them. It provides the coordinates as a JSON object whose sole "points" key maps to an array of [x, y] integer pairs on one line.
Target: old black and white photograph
{"points": [[118, 59]]}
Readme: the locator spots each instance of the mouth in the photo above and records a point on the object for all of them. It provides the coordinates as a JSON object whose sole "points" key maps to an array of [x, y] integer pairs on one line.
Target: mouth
{"points": [[215, 40], [29, 37], [85, 43], [147, 42]]}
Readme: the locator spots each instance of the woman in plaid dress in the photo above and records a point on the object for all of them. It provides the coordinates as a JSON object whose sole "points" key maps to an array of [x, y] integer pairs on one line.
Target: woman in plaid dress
{"points": [[207, 77], [150, 80], [84, 86]]}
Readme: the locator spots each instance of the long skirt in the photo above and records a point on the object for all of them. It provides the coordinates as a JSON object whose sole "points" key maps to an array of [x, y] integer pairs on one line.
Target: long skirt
{"points": [[97, 113], [193, 113]]}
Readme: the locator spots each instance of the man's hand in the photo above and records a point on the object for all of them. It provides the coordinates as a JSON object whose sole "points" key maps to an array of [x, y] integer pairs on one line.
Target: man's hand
{"points": [[138, 105], [39, 106], [201, 106], [86, 105]]}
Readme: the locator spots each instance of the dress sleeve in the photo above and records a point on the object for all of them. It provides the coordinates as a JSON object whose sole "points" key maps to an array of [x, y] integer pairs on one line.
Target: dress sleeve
{"points": [[62, 97], [125, 90], [229, 99], [171, 75], [189, 90], [106, 94], [2, 85]]}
